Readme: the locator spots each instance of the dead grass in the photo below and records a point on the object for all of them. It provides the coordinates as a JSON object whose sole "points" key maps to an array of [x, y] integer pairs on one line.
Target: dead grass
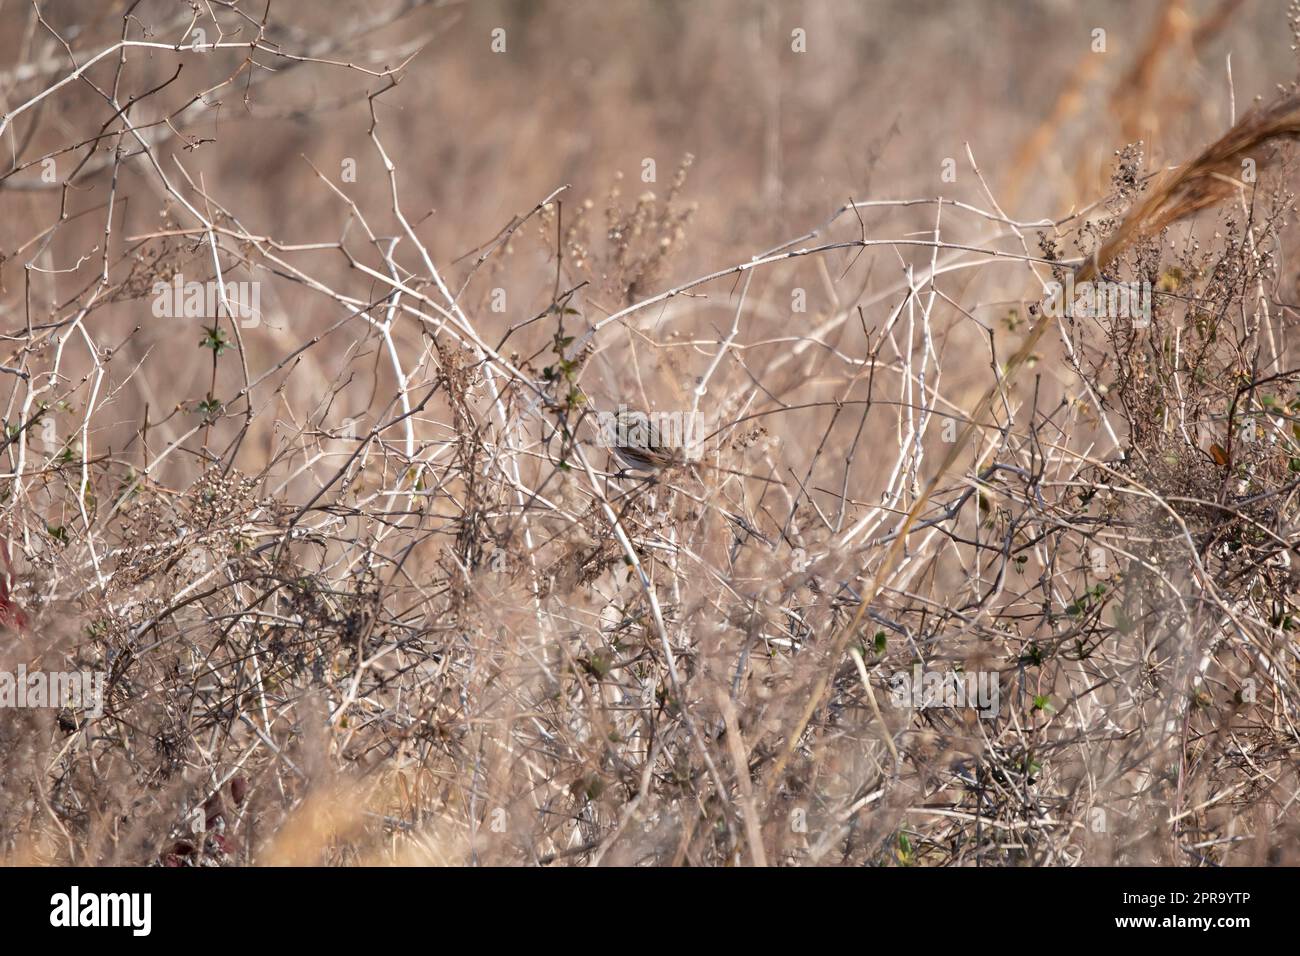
{"points": [[367, 588]]}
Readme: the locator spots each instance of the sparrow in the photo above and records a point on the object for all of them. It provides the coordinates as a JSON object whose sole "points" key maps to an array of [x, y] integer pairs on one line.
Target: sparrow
{"points": [[636, 442]]}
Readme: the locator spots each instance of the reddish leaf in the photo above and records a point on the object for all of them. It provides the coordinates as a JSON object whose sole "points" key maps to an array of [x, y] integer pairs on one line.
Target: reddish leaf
{"points": [[176, 853], [11, 615]]}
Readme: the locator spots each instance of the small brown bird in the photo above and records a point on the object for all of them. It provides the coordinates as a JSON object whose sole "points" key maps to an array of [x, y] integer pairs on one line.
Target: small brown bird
{"points": [[638, 445]]}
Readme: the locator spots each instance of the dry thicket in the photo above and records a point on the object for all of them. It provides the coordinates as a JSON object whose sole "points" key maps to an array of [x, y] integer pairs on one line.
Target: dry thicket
{"points": [[366, 587]]}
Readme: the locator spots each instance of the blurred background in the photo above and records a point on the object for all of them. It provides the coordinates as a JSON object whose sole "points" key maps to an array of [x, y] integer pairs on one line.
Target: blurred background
{"points": [[783, 111]]}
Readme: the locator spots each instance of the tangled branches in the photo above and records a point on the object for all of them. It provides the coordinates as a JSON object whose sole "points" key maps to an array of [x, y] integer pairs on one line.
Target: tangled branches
{"points": [[330, 509]]}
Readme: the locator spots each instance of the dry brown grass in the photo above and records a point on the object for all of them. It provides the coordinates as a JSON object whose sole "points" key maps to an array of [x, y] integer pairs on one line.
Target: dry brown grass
{"points": [[366, 586]]}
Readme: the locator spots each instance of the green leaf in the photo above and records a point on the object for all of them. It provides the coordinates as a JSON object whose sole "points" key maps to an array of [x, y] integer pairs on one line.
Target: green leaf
{"points": [[904, 849], [215, 339]]}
